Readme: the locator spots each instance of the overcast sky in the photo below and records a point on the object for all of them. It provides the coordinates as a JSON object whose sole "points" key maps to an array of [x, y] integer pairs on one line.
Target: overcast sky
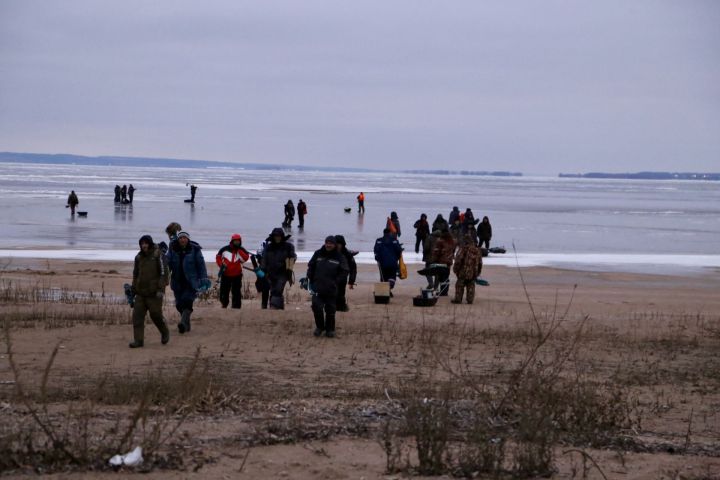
{"points": [[533, 86]]}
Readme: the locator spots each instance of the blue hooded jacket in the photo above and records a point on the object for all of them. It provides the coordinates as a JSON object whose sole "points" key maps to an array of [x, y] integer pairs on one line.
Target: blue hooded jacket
{"points": [[193, 266], [387, 251]]}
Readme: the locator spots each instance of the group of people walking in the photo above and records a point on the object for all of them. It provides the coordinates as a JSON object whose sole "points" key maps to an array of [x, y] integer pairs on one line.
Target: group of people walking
{"points": [[124, 194], [181, 265]]}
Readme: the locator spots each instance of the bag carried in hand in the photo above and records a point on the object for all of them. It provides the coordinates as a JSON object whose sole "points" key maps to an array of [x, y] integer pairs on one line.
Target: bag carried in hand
{"points": [[402, 271]]}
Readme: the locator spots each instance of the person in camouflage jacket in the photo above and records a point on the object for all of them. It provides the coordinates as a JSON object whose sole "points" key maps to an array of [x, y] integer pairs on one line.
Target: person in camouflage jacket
{"points": [[467, 267]]}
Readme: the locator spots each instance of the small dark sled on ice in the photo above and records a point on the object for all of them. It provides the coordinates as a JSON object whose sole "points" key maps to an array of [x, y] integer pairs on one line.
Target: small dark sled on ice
{"points": [[347, 209], [82, 214], [497, 250], [481, 282], [187, 200]]}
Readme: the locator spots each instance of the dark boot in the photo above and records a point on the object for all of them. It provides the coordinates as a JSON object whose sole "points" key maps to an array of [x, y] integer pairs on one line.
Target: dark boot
{"points": [[185, 321], [136, 344]]}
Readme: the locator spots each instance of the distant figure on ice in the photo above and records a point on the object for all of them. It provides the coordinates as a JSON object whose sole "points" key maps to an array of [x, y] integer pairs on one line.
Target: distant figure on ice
{"points": [[193, 190], [289, 214], [150, 277], [485, 232], [440, 224], [123, 194], [301, 211], [72, 202], [454, 215], [118, 197], [361, 202], [326, 269], [131, 193]]}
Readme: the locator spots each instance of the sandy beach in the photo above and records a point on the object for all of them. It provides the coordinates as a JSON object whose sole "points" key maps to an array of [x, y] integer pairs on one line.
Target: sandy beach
{"points": [[283, 404]]}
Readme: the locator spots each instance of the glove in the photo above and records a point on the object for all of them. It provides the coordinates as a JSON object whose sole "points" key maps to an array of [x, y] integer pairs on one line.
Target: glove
{"points": [[205, 285], [160, 295], [351, 285]]}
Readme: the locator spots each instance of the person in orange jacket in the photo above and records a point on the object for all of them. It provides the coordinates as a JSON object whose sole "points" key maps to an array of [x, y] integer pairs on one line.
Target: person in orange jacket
{"points": [[361, 202], [230, 259]]}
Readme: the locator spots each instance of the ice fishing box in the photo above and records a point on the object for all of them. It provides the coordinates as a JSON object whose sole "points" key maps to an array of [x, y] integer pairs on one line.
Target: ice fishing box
{"points": [[381, 292]]}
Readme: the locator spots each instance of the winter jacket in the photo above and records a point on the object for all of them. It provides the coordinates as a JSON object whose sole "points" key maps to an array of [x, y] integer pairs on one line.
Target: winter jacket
{"points": [[352, 266], [454, 215], [443, 250], [468, 262], [302, 208], [394, 223], [73, 199], [274, 257], [232, 259], [440, 224], [186, 266], [289, 209], [484, 230], [326, 269], [422, 229], [387, 251], [150, 273]]}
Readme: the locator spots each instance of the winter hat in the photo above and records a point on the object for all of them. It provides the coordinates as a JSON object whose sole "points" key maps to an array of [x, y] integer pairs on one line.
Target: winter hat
{"points": [[331, 239], [183, 234], [146, 239], [339, 239], [236, 236], [277, 232]]}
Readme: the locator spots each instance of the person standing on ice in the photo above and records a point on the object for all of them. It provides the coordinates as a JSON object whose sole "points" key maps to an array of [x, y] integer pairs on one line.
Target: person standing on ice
{"points": [[289, 214], [361, 202], [301, 211], [150, 277], [72, 202], [422, 232]]}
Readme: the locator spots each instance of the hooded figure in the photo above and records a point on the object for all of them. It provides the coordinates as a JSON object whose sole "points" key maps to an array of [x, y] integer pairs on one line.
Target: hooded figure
{"points": [[467, 267], [422, 232], [326, 269], [301, 211], [348, 279], [150, 277], [278, 261], [440, 224], [289, 214], [230, 259], [188, 276], [454, 215], [387, 254], [393, 223], [485, 232], [131, 193], [72, 202]]}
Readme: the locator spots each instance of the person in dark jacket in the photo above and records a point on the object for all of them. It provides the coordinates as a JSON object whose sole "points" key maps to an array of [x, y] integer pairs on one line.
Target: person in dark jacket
{"points": [[123, 194], [348, 279], [455, 214], [118, 197], [262, 284], [193, 191], [387, 254], [188, 276], [230, 259], [440, 224], [393, 223], [326, 269], [131, 193], [289, 214], [301, 211], [72, 202], [277, 262], [422, 232], [468, 220], [150, 277], [485, 232]]}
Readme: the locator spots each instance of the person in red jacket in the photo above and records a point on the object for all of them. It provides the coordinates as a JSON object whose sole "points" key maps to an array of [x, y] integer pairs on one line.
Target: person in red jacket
{"points": [[230, 259]]}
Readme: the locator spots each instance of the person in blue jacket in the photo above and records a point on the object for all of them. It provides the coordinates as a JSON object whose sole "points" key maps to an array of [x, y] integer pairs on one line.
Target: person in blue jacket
{"points": [[387, 254], [188, 276]]}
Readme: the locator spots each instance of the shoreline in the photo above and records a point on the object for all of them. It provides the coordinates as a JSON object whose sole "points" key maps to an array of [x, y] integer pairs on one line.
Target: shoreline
{"points": [[654, 264]]}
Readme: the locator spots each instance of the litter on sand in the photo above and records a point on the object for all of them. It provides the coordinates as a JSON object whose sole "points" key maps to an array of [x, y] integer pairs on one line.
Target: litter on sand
{"points": [[130, 459]]}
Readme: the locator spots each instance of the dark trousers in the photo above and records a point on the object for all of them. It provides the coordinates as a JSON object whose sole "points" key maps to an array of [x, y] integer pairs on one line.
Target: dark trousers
{"points": [[263, 288], [277, 292], [486, 242], [301, 219], [442, 282], [389, 274], [234, 285], [341, 301], [361, 207], [142, 306], [323, 307], [184, 298]]}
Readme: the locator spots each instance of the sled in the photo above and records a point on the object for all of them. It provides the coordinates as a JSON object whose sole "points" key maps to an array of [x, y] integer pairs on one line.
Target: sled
{"points": [[497, 250], [481, 282], [187, 200], [347, 209], [82, 214]]}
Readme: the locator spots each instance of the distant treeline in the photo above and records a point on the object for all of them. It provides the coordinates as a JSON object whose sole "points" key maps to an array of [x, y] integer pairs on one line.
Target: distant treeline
{"points": [[646, 175], [465, 172]]}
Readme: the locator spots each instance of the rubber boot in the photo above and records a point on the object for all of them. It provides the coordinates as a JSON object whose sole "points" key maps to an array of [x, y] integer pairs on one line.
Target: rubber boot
{"points": [[185, 320], [136, 344]]}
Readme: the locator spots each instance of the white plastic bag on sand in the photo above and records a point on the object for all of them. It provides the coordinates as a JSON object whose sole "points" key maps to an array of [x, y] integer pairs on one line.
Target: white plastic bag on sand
{"points": [[130, 459]]}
